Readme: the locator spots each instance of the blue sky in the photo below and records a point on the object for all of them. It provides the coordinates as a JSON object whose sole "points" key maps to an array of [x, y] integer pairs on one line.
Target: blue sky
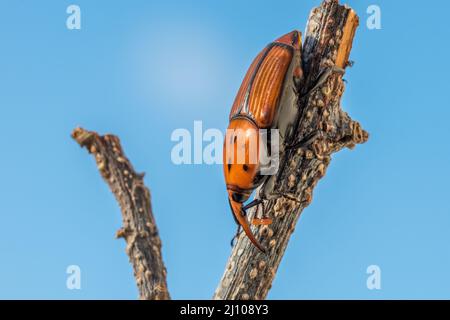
{"points": [[141, 69]]}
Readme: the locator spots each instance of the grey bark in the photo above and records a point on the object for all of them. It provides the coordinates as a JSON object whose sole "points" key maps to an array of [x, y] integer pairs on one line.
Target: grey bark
{"points": [[139, 227]]}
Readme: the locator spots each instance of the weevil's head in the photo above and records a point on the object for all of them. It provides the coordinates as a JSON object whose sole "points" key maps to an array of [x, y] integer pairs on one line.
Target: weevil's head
{"points": [[240, 159], [293, 38]]}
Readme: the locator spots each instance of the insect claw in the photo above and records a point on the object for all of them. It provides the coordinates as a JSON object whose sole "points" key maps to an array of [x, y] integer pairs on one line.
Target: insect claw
{"points": [[252, 204], [323, 77], [305, 142], [233, 240]]}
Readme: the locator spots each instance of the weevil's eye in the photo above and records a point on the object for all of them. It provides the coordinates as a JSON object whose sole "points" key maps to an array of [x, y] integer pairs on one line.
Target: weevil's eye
{"points": [[238, 197]]}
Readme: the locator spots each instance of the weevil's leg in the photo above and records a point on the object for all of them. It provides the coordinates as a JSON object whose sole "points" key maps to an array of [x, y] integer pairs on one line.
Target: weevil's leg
{"points": [[255, 202], [238, 231], [305, 142], [323, 78]]}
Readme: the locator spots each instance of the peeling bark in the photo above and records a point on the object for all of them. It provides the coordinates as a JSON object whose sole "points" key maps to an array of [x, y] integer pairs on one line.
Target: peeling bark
{"points": [[328, 40], [139, 227]]}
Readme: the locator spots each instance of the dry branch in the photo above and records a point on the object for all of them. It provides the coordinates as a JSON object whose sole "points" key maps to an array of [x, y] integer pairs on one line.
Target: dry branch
{"points": [[139, 227], [328, 41]]}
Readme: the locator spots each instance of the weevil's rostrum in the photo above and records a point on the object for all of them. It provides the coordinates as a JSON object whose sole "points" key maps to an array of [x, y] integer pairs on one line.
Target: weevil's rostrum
{"points": [[267, 86]]}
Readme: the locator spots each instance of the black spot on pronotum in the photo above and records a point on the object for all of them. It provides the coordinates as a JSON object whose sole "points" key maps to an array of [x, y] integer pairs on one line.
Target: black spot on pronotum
{"points": [[229, 166], [235, 139], [245, 167]]}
